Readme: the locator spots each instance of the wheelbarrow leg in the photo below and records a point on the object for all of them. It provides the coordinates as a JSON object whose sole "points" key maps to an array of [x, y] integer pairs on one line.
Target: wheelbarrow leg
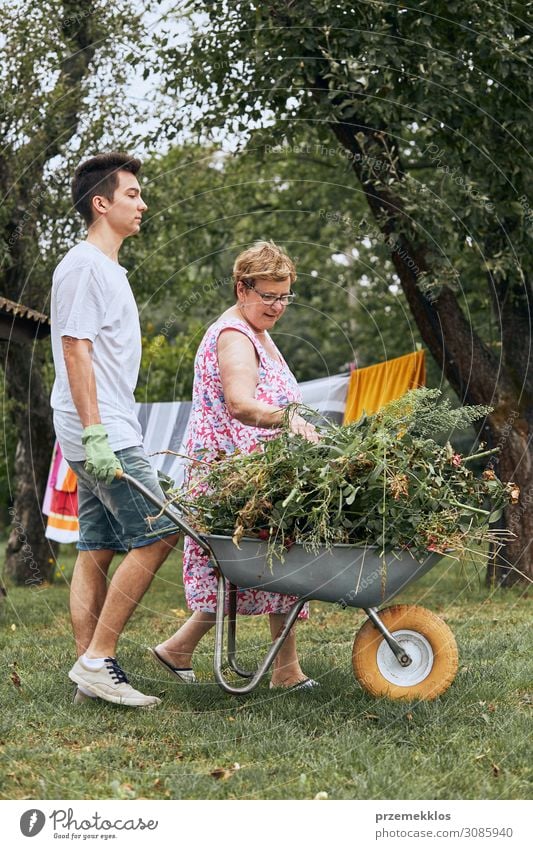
{"points": [[270, 655], [399, 652], [232, 628]]}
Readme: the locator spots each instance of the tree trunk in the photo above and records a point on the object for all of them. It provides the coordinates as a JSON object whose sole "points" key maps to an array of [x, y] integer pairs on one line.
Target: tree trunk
{"points": [[29, 556], [515, 462], [471, 368]]}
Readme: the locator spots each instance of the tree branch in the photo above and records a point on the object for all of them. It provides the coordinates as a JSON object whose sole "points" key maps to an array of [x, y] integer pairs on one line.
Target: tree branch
{"points": [[61, 122]]}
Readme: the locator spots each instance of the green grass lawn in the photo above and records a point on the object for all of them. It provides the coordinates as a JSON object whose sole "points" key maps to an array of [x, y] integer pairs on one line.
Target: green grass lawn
{"points": [[472, 743]]}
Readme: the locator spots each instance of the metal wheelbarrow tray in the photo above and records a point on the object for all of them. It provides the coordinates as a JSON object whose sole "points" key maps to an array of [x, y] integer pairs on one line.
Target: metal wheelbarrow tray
{"points": [[403, 651], [346, 574]]}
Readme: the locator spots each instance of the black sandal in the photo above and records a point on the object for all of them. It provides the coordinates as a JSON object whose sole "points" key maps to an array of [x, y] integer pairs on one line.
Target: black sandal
{"points": [[186, 676]]}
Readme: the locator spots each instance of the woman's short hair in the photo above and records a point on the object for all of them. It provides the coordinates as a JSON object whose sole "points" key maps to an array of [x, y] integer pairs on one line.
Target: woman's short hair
{"points": [[264, 260]]}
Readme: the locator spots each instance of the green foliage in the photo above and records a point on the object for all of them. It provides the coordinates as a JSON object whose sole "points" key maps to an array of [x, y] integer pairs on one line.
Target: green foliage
{"points": [[422, 413], [62, 77], [167, 368], [434, 95], [382, 481], [207, 205]]}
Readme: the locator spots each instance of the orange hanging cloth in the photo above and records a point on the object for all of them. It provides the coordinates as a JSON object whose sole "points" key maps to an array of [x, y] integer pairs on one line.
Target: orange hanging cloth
{"points": [[61, 501], [372, 387]]}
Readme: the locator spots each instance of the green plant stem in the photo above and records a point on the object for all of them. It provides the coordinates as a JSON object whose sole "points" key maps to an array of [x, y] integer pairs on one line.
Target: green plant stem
{"points": [[472, 509], [384, 507], [481, 454]]}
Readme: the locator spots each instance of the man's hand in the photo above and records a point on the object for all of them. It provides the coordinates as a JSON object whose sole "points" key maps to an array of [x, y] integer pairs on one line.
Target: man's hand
{"points": [[101, 462]]}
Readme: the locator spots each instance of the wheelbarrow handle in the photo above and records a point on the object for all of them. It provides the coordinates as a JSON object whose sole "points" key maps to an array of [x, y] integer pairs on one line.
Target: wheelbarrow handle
{"points": [[167, 509]]}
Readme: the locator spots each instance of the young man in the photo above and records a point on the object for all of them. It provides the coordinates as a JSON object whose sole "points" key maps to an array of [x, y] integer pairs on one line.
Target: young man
{"points": [[96, 344]]}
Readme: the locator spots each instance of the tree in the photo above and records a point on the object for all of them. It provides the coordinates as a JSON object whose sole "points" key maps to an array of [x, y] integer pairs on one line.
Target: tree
{"points": [[56, 105], [427, 103], [205, 205]]}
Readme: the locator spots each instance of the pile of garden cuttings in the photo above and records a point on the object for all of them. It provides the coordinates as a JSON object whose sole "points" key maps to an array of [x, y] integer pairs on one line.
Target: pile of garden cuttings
{"points": [[383, 481]]}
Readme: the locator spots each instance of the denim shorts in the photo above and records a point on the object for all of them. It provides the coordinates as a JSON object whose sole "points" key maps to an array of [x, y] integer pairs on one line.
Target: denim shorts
{"points": [[115, 516]]}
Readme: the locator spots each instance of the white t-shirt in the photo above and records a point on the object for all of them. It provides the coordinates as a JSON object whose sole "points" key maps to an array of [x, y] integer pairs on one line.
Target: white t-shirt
{"points": [[92, 299]]}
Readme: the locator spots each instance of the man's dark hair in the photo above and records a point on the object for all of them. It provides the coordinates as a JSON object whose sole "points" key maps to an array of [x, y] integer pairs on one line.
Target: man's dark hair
{"points": [[99, 176]]}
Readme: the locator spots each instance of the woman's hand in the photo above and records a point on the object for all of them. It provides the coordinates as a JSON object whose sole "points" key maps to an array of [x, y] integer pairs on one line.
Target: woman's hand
{"points": [[299, 425]]}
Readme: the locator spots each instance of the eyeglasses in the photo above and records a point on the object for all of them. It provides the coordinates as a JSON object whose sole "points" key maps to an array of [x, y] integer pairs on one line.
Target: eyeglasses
{"points": [[269, 299]]}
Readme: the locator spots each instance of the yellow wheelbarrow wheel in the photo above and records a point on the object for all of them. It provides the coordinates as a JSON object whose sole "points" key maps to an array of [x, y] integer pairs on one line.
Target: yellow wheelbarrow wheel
{"points": [[427, 640]]}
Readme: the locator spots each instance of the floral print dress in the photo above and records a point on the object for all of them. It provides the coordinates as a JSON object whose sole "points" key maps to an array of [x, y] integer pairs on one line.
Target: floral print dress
{"points": [[211, 430]]}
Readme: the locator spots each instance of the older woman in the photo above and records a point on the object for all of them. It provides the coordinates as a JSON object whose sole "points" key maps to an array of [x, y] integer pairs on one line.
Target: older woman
{"points": [[241, 386]]}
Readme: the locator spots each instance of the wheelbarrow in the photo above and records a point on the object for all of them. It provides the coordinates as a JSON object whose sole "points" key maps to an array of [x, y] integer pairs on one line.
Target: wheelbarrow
{"points": [[401, 652]]}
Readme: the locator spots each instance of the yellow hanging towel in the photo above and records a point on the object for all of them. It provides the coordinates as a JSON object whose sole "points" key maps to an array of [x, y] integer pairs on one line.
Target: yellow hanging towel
{"points": [[372, 387]]}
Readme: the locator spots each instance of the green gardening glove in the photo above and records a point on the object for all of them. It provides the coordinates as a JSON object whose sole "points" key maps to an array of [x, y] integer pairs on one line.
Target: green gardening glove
{"points": [[165, 482], [101, 462]]}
